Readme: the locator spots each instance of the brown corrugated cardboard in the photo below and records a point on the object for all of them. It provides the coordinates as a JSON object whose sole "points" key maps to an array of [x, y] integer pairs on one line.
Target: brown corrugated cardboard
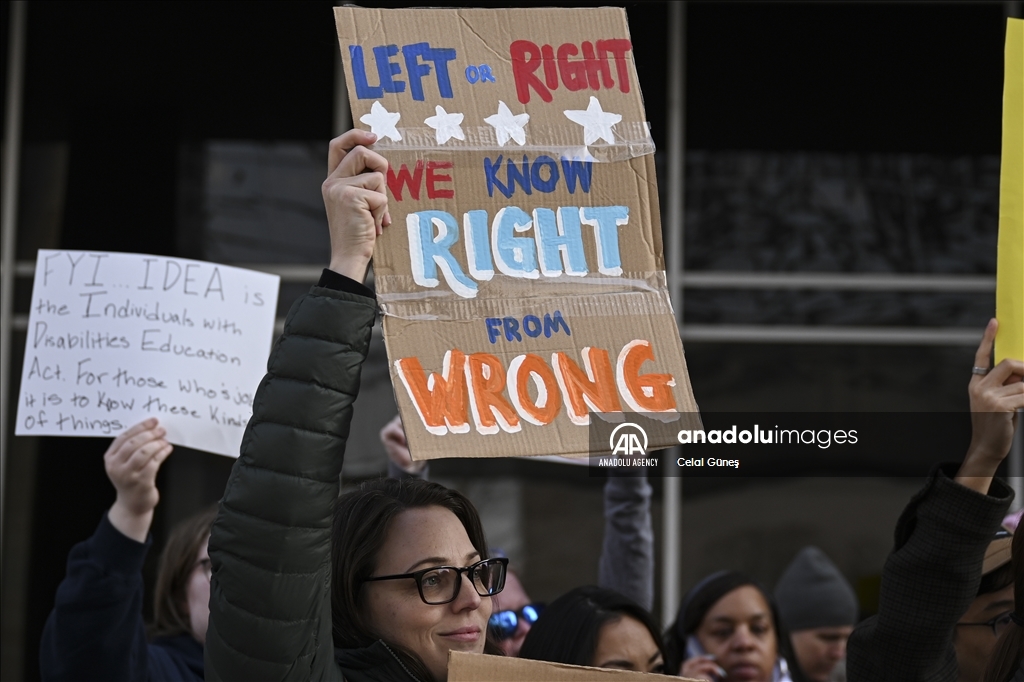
{"points": [[463, 667], [522, 279]]}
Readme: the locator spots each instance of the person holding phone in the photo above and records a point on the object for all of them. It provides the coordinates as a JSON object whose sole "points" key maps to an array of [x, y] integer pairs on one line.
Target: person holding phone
{"points": [[728, 630]]}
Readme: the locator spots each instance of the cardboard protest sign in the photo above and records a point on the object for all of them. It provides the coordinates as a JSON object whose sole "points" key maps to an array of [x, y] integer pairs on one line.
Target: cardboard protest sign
{"points": [[1010, 265], [463, 667], [114, 338], [522, 280]]}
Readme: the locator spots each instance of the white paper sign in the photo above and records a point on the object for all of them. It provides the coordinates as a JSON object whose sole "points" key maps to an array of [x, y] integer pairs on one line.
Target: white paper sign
{"points": [[114, 338]]}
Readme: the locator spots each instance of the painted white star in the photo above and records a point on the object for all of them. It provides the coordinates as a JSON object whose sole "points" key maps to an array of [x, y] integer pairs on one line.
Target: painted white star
{"points": [[597, 123], [382, 122], [508, 125], [446, 125]]}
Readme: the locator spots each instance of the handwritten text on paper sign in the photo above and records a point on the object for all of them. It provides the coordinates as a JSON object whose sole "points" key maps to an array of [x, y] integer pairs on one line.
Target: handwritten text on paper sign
{"points": [[114, 338]]}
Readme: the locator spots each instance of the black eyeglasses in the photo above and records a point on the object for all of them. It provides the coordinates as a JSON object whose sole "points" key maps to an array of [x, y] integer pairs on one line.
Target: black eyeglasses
{"points": [[440, 584], [998, 624], [503, 624]]}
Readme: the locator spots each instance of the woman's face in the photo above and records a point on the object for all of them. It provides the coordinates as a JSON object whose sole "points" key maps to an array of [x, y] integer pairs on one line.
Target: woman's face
{"points": [[819, 650], [627, 644], [738, 632], [197, 592], [418, 539]]}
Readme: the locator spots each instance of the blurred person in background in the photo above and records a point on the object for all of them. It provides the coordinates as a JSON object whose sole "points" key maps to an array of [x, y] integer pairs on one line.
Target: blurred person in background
{"points": [[96, 630], [728, 630], [947, 588], [818, 607], [626, 564], [1011, 521], [989, 613], [597, 627], [513, 616], [1007, 663]]}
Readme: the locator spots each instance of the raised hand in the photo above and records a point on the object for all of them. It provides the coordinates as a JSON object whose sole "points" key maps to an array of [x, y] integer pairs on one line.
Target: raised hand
{"points": [[132, 462], [995, 398], [356, 201], [392, 436]]}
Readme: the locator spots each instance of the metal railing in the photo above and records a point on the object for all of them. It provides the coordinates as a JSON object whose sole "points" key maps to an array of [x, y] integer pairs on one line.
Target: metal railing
{"points": [[738, 333]]}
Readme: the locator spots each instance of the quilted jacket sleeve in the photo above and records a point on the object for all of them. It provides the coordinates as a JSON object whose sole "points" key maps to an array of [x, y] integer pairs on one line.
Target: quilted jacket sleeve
{"points": [[270, 609]]}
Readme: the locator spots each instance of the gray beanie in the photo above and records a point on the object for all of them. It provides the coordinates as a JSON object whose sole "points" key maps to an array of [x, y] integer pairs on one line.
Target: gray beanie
{"points": [[812, 593]]}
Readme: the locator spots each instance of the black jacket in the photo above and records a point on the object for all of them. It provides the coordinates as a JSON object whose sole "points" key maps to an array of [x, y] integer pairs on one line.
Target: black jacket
{"points": [[373, 663], [928, 582], [96, 632], [270, 603]]}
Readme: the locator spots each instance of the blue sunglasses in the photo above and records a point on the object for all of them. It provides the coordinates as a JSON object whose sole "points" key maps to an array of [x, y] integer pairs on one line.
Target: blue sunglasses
{"points": [[503, 624]]}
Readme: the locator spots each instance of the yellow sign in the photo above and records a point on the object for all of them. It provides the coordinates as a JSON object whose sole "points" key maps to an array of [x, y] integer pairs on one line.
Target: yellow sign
{"points": [[1010, 266]]}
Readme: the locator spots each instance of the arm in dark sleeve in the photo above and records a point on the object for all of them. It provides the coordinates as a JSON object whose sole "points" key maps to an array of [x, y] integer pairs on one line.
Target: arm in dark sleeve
{"points": [[270, 606], [627, 554], [928, 582], [96, 631], [329, 279]]}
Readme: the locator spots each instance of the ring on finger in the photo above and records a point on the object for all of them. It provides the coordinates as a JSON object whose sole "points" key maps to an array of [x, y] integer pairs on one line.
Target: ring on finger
{"points": [[981, 371]]}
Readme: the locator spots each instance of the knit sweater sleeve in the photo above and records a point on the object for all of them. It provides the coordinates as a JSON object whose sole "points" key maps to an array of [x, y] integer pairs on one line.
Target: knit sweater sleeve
{"points": [[928, 582], [96, 631]]}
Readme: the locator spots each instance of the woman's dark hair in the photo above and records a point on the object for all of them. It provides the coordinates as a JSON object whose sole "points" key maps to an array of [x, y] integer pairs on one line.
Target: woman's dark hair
{"points": [[362, 518], [700, 599], [568, 628], [1009, 652], [177, 561]]}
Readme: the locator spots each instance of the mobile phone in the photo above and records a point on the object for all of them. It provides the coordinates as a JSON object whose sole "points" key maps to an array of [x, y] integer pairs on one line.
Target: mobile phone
{"points": [[694, 650]]}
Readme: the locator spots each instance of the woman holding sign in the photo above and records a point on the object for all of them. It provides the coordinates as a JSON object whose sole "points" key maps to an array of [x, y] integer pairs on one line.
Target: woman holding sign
{"points": [[380, 584], [96, 630]]}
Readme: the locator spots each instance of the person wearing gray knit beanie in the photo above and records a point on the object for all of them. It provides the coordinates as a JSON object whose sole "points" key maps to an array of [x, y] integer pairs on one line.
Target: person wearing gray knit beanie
{"points": [[819, 609]]}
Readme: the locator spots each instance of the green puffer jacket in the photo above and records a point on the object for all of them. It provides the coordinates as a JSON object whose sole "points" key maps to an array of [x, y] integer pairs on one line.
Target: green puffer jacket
{"points": [[270, 598]]}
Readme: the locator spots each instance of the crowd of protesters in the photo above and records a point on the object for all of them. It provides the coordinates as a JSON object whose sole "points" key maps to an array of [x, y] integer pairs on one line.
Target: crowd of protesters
{"points": [[287, 580]]}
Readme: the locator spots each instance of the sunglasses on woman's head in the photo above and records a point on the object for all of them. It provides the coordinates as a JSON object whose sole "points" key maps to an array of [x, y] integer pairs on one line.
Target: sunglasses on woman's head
{"points": [[503, 624]]}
